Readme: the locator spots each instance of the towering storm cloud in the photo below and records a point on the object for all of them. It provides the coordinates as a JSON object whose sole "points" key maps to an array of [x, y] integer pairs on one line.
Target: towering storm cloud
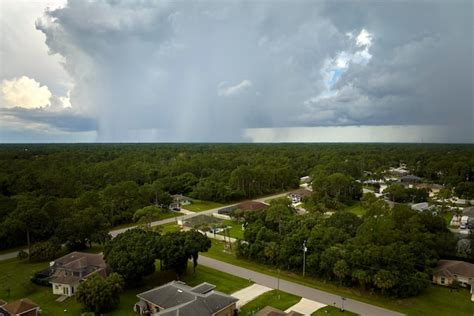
{"points": [[206, 71]]}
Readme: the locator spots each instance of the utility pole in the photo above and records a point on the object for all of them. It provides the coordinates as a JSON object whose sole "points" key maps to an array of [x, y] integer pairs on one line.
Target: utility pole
{"points": [[304, 257]]}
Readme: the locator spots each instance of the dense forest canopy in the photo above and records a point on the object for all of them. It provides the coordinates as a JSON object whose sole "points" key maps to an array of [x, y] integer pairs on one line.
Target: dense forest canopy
{"points": [[44, 189]]}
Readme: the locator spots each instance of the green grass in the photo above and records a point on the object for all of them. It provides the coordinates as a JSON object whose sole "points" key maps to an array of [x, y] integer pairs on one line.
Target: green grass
{"points": [[356, 209], [434, 301], [332, 311], [235, 229], [15, 284], [167, 228], [199, 206], [275, 298], [224, 282], [448, 216]]}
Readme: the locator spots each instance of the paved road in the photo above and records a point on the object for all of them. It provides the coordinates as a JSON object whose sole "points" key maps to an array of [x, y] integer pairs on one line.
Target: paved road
{"points": [[298, 289], [116, 232]]}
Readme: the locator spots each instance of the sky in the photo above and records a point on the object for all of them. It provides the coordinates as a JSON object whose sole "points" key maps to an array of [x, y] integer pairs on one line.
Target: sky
{"points": [[236, 71]]}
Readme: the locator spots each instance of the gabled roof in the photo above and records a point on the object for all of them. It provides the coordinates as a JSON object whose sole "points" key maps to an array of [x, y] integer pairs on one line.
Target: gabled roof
{"points": [[203, 288], [80, 260], [20, 306], [86, 263], [301, 192], [244, 206], [168, 295], [449, 268], [271, 311], [410, 177], [201, 219], [177, 298]]}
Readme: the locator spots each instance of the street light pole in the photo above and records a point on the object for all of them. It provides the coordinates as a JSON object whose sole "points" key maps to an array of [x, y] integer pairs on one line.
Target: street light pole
{"points": [[304, 257]]}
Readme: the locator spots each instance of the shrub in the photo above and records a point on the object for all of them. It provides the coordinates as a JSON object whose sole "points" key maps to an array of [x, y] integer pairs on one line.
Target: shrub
{"points": [[22, 255]]}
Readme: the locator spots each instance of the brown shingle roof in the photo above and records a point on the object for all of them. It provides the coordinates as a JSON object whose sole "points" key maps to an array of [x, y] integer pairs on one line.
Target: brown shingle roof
{"points": [[453, 267], [20, 306]]}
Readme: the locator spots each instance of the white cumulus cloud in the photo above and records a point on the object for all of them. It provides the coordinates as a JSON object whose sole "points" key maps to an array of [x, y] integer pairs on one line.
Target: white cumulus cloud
{"points": [[25, 92], [364, 38], [226, 91]]}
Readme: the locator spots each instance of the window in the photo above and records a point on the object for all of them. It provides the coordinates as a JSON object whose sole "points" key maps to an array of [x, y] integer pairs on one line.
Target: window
{"points": [[442, 280]]}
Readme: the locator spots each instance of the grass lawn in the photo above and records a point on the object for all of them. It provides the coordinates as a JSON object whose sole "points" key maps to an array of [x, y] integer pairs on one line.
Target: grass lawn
{"points": [[275, 298], [332, 311], [15, 284], [235, 229], [356, 209], [167, 228], [199, 206], [434, 301], [448, 216]]}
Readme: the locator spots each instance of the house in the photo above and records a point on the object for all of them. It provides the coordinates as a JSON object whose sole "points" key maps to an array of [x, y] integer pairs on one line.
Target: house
{"points": [[410, 179], [244, 206], [178, 201], [423, 206], [400, 171], [271, 311], [70, 270], [297, 196], [177, 298], [432, 188], [305, 179], [448, 271], [200, 221], [23, 307]]}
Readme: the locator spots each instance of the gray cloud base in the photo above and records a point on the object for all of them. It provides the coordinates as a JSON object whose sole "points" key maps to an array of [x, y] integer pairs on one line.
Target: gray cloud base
{"points": [[158, 65]]}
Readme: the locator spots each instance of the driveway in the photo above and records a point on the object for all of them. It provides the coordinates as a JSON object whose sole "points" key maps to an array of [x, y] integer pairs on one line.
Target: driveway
{"points": [[306, 307], [249, 293], [298, 289]]}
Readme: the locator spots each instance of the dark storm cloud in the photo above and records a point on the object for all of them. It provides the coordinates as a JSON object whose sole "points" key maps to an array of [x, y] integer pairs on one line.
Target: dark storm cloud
{"points": [[207, 70], [63, 120]]}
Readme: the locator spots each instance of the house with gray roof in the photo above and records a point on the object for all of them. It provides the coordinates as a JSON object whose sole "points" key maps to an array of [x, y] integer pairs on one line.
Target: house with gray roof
{"points": [[70, 270], [177, 298], [449, 271]]}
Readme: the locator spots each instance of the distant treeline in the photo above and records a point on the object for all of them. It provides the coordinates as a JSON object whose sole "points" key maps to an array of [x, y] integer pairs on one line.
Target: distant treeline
{"points": [[45, 190]]}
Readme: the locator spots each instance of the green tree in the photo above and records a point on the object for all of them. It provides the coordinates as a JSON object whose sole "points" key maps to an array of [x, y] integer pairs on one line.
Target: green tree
{"points": [[132, 254], [45, 251], [195, 242], [100, 295], [341, 269]]}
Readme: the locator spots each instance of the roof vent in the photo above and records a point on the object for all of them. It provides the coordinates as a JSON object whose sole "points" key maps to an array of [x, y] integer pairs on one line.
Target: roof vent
{"points": [[180, 291]]}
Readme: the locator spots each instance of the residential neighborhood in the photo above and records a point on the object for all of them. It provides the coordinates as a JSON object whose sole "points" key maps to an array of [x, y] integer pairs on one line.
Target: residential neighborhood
{"points": [[333, 239]]}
